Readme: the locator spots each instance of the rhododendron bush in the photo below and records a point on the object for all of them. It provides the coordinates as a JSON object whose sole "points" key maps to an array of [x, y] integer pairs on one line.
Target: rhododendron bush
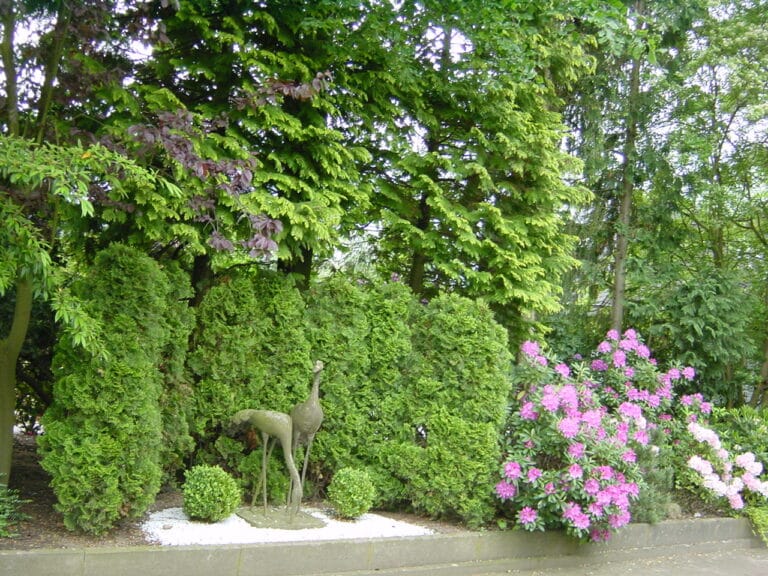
{"points": [[581, 437]]}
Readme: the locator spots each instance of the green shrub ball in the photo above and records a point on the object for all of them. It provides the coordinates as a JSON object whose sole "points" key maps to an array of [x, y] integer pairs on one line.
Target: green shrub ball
{"points": [[351, 492], [210, 494]]}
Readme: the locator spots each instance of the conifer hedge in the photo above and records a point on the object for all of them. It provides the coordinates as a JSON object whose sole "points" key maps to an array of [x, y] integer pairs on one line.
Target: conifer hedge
{"points": [[103, 432]]}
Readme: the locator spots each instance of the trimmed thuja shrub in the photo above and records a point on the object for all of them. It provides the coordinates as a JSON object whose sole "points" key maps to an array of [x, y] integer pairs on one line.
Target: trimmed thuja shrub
{"points": [[450, 410], [103, 431], [210, 494], [249, 350], [249, 347], [351, 492], [176, 397], [362, 332], [337, 329]]}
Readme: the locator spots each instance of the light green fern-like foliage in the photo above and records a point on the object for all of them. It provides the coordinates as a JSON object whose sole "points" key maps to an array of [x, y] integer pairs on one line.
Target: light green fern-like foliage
{"points": [[758, 515]]}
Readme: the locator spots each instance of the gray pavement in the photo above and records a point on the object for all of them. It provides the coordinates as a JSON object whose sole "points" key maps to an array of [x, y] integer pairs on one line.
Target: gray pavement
{"points": [[740, 562]]}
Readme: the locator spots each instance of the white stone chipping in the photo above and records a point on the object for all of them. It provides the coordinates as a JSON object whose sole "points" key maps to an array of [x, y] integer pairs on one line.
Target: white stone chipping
{"points": [[171, 527]]}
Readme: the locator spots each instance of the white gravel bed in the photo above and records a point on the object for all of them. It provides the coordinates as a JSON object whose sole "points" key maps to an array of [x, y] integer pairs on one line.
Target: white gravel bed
{"points": [[171, 527]]}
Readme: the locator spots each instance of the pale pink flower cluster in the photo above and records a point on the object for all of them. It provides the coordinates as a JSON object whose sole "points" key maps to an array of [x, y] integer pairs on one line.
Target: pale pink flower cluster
{"points": [[726, 484]]}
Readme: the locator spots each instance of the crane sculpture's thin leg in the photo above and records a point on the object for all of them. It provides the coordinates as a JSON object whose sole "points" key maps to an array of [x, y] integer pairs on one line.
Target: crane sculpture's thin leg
{"points": [[306, 459], [265, 456]]}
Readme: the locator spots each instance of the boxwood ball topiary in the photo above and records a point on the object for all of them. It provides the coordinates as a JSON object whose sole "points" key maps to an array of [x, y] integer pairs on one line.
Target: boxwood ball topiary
{"points": [[351, 492], [210, 494]]}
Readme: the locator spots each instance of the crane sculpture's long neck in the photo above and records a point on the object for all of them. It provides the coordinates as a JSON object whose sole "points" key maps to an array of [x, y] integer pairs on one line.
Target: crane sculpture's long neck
{"points": [[315, 394]]}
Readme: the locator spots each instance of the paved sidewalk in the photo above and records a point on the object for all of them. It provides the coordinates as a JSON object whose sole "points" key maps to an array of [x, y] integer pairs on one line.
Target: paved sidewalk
{"points": [[724, 562]]}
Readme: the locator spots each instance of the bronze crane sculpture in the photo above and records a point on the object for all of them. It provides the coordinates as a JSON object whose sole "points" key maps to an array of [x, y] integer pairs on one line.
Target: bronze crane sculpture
{"points": [[277, 425]]}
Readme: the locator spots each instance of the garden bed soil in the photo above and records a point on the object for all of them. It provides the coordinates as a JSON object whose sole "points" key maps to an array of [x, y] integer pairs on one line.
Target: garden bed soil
{"points": [[44, 527]]}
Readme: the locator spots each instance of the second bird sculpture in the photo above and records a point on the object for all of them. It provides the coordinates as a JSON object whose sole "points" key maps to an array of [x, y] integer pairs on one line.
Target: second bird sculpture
{"points": [[307, 417]]}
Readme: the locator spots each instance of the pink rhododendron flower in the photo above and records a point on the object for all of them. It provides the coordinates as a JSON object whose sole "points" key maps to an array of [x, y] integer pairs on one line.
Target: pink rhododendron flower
{"points": [[744, 460], [568, 427], [599, 365], [596, 510], [576, 516], [641, 437], [665, 390], [505, 490], [550, 488], [600, 535], [527, 515], [527, 411], [563, 370], [592, 486], [530, 348], [604, 347], [752, 483], [689, 373], [715, 485], [604, 498], [674, 373], [513, 470], [629, 456], [550, 402], [534, 474], [628, 344], [618, 520], [700, 465], [605, 472], [575, 471], [736, 502], [630, 410], [632, 488], [576, 450], [703, 434], [619, 359], [592, 418], [747, 462], [569, 396], [613, 335]]}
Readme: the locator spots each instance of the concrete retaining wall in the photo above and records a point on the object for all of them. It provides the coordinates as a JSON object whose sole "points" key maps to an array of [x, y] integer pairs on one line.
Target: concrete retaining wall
{"points": [[445, 554]]}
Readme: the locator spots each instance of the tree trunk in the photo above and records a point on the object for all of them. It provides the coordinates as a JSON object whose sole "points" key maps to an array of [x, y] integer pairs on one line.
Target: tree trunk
{"points": [[10, 348], [627, 192], [760, 389], [202, 278], [301, 266], [9, 66], [419, 256]]}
